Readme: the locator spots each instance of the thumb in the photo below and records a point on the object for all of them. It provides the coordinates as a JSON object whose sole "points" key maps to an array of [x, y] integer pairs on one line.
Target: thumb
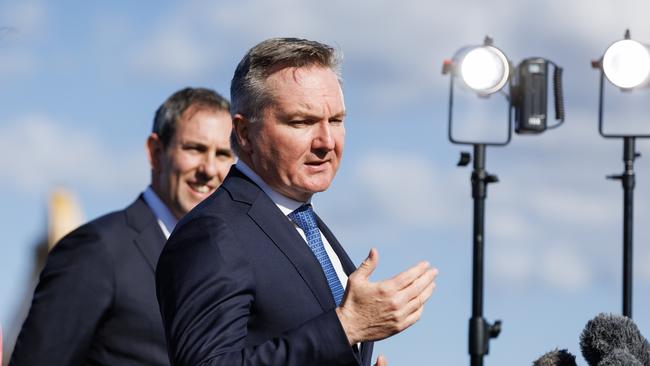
{"points": [[369, 264], [381, 361]]}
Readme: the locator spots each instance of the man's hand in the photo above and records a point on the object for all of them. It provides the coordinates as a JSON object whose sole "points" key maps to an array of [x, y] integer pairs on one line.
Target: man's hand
{"points": [[372, 311]]}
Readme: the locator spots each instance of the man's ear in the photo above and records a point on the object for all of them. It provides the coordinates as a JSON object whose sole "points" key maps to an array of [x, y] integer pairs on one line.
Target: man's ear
{"points": [[241, 126], [154, 149]]}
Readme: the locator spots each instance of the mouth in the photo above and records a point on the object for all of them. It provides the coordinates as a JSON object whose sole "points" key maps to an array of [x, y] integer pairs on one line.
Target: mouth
{"points": [[317, 163], [317, 166], [201, 188]]}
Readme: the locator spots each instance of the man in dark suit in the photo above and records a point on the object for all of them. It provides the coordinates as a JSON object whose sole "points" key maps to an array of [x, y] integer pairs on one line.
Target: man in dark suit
{"points": [[252, 276], [95, 303]]}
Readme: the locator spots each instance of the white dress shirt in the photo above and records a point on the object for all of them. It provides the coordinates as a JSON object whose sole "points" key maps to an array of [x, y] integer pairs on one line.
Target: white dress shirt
{"points": [[166, 219], [287, 206]]}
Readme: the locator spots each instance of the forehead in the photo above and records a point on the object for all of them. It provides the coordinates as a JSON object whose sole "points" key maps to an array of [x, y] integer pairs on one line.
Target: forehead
{"points": [[306, 88], [200, 122]]}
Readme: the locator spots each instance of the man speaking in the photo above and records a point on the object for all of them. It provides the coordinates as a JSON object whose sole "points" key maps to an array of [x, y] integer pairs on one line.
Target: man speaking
{"points": [[252, 276]]}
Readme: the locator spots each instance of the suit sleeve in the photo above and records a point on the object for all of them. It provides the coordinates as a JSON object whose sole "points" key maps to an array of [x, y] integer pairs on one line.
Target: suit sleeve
{"points": [[206, 290], [73, 293]]}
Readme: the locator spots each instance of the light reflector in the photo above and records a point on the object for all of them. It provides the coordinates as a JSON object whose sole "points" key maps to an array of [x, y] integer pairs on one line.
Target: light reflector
{"points": [[626, 64], [484, 69]]}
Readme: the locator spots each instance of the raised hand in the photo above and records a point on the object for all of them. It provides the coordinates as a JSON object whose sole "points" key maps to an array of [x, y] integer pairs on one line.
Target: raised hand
{"points": [[371, 311]]}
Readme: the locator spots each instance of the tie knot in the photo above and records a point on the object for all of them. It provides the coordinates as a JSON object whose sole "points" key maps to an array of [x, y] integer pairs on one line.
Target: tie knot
{"points": [[304, 217]]}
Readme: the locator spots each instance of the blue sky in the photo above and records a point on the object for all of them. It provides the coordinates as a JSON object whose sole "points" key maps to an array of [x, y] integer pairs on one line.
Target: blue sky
{"points": [[79, 84]]}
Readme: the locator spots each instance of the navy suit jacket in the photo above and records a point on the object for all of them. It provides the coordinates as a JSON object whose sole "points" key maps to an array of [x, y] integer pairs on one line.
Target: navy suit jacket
{"points": [[237, 285], [95, 303]]}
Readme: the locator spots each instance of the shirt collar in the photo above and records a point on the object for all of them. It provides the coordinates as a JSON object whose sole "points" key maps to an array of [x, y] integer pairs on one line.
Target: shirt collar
{"points": [[284, 203], [166, 219]]}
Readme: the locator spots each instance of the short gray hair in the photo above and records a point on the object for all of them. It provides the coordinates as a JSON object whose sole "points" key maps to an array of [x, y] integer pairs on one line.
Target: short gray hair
{"points": [[248, 90], [168, 114]]}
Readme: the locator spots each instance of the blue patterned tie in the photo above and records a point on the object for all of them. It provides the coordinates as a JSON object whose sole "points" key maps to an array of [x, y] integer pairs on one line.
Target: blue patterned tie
{"points": [[305, 218]]}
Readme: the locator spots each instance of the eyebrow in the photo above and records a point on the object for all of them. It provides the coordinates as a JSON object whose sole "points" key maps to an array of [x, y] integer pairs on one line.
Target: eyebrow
{"points": [[310, 115], [224, 151]]}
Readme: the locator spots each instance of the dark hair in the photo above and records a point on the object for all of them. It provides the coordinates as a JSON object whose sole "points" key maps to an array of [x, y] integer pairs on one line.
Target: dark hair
{"points": [[168, 114]]}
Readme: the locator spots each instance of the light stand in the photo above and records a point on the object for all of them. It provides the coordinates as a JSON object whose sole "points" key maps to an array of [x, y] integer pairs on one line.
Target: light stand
{"points": [[529, 120], [480, 331], [627, 178]]}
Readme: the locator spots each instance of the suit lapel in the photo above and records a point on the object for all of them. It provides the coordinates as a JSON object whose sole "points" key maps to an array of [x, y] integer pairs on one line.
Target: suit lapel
{"points": [[149, 238], [282, 233], [346, 262], [348, 266], [284, 236]]}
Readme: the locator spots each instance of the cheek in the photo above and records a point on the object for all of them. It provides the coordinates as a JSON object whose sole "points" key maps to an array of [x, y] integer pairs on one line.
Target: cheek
{"points": [[223, 167], [183, 164]]}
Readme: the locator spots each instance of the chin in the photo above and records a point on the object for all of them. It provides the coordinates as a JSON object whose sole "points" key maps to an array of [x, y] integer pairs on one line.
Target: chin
{"points": [[315, 188]]}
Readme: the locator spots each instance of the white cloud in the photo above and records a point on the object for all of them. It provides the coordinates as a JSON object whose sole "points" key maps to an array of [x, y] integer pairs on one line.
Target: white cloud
{"points": [[512, 268], [556, 265], [20, 22], [390, 48], [407, 188], [579, 206], [26, 17], [16, 64], [642, 262], [37, 153], [170, 54], [510, 225], [562, 267]]}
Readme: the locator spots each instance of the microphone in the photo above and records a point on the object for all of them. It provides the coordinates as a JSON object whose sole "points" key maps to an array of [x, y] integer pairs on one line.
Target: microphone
{"points": [[610, 339], [620, 357], [557, 358]]}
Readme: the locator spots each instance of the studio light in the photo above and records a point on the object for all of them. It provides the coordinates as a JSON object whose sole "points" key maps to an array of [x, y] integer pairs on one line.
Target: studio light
{"points": [[626, 64], [485, 70]]}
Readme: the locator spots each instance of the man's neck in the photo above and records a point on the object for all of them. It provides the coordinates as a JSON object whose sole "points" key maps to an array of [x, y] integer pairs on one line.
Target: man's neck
{"points": [[284, 203]]}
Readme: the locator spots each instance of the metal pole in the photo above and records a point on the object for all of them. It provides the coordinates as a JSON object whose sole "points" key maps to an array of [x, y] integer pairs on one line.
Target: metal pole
{"points": [[628, 181], [480, 331], [477, 323]]}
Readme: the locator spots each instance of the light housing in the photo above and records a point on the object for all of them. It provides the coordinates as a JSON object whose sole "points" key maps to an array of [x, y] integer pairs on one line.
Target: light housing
{"points": [[626, 63], [483, 69]]}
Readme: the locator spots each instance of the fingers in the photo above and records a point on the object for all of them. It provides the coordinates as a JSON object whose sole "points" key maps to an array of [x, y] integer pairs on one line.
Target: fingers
{"points": [[419, 284], [412, 318], [381, 361], [405, 278], [369, 264], [417, 303]]}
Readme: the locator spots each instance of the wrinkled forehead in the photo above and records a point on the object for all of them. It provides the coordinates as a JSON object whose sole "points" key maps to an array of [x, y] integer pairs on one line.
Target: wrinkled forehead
{"points": [[297, 84]]}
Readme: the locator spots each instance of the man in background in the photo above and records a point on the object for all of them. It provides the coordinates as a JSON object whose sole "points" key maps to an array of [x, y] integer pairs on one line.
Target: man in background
{"points": [[95, 303], [253, 276]]}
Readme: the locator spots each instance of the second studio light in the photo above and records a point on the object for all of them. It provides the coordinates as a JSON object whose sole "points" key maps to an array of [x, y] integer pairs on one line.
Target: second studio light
{"points": [[626, 63]]}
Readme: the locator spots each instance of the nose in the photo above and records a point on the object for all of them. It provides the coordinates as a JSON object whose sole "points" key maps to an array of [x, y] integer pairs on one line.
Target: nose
{"points": [[323, 139], [208, 166]]}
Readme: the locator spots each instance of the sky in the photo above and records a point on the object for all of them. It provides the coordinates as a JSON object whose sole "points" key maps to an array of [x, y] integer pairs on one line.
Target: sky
{"points": [[79, 84]]}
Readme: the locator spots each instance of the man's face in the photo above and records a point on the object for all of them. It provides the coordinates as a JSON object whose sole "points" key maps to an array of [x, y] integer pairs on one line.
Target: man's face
{"points": [[298, 145], [195, 161]]}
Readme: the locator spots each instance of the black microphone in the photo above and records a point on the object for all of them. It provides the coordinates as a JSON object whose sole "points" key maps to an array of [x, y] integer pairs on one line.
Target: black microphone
{"points": [[620, 357], [613, 338], [557, 358]]}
